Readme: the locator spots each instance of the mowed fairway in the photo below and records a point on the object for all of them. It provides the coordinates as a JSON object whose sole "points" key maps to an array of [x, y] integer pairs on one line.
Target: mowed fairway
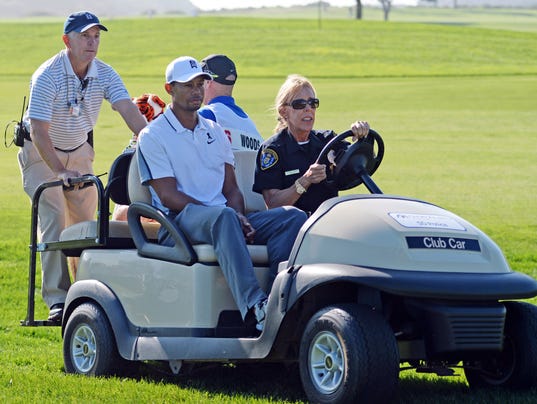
{"points": [[456, 106]]}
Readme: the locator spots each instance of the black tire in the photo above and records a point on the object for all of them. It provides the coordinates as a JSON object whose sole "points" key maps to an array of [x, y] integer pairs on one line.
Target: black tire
{"points": [[516, 366], [89, 347], [348, 354]]}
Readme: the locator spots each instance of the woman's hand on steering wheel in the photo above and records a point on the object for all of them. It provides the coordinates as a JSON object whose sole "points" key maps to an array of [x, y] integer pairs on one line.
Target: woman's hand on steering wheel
{"points": [[363, 156], [359, 129], [316, 173]]}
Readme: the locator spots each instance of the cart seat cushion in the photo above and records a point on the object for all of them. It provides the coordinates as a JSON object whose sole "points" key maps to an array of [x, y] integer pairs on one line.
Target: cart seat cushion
{"points": [[137, 191], [120, 230], [244, 172], [258, 253], [117, 229]]}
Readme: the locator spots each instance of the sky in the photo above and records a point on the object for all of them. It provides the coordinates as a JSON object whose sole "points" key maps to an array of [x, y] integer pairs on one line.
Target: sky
{"points": [[218, 4]]}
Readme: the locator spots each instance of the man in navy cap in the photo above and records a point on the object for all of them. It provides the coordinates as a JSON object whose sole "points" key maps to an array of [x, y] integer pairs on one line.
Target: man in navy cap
{"points": [[220, 105], [66, 93]]}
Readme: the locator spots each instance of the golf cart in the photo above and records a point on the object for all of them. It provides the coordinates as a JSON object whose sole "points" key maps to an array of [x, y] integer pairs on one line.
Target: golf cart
{"points": [[374, 284]]}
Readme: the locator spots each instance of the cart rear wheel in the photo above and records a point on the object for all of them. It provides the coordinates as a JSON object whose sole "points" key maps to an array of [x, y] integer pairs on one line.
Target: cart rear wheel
{"points": [[88, 346], [348, 354]]}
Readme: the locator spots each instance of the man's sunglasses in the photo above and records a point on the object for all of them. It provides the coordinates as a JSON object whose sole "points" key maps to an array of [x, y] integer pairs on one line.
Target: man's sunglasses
{"points": [[301, 103]]}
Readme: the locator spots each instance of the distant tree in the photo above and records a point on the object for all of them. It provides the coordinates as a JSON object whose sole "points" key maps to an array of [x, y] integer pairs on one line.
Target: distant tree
{"points": [[358, 9], [434, 1], [386, 7]]}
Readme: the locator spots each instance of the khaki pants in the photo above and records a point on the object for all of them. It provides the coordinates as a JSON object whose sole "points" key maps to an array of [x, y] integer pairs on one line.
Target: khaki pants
{"points": [[57, 210]]}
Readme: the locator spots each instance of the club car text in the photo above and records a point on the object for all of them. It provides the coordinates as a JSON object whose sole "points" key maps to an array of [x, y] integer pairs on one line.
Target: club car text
{"points": [[443, 243]]}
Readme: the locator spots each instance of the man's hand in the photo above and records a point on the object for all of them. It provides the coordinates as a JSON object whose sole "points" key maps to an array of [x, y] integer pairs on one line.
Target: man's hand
{"points": [[247, 229], [65, 174]]}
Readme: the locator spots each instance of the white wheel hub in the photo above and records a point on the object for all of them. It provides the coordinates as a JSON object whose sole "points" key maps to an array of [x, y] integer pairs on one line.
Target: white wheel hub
{"points": [[84, 348], [326, 362]]}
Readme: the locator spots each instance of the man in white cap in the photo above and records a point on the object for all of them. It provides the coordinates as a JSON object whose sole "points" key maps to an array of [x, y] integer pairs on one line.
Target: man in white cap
{"points": [[188, 163], [220, 105], [66, 93]]}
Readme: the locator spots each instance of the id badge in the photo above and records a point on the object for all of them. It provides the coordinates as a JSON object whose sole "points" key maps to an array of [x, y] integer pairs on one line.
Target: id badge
{"points": [[74, 110]]}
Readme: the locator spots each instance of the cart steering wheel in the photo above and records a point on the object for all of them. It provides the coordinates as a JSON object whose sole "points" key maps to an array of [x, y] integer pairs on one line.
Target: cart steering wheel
{"points": [[347, 163]]}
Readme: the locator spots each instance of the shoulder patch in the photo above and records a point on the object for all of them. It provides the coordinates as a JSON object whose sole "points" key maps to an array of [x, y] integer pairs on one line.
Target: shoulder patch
{"points": [[269, 158], [328, 134]]}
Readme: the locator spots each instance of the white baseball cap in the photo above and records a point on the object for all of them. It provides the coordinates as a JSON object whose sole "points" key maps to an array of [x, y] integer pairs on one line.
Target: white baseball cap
{"points": [[184, 69]]}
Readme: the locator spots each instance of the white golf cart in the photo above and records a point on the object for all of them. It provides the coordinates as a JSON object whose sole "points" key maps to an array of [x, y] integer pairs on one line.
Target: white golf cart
{"points": [[374, 284]]}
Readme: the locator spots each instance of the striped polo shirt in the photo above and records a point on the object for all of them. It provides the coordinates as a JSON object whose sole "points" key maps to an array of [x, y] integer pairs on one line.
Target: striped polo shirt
{"points": [[70, 105]]}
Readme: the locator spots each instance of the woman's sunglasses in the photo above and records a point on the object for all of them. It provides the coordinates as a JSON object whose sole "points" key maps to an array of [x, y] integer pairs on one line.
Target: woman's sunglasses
{"points": [[301, 103]]}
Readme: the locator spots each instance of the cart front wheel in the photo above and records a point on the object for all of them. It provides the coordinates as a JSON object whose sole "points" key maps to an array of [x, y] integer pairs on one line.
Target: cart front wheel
{"points": [[348, 354], [516, 365]]}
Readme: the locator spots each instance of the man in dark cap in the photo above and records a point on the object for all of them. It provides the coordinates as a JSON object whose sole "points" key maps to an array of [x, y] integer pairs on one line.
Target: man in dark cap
{"points": [[66, 93], [220, 105]]}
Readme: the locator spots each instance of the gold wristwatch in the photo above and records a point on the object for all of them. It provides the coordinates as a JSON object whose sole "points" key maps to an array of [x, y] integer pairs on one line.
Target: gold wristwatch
{"points": [[299, 188]]}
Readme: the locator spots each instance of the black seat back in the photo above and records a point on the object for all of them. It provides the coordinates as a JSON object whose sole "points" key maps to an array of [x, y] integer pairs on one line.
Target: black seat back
{"points": [[118, 178]]}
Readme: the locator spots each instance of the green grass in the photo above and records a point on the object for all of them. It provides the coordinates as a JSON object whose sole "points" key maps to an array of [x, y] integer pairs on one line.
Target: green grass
{"points": [[456, 107], [274, 48]]}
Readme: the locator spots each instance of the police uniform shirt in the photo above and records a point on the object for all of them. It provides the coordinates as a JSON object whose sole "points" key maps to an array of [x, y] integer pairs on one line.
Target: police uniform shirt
{"points": [[282, 160]]}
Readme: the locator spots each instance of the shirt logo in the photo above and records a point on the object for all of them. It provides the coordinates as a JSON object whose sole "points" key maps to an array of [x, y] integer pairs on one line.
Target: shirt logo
{"points": [[210, 139], [228, 134], [268, 159]]}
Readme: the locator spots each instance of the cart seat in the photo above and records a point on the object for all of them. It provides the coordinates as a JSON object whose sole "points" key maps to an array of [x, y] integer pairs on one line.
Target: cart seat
{"points": [[244, 171], [83, 235], [188, 254], [118, 232]]}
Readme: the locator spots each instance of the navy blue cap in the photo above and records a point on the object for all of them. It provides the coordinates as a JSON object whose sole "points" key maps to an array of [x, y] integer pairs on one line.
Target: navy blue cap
{"points": [[82, 21], [220, 67]]}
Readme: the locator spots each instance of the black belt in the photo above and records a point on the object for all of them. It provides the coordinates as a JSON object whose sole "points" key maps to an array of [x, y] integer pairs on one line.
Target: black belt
{"points": [[70, 150], [90, 141]]}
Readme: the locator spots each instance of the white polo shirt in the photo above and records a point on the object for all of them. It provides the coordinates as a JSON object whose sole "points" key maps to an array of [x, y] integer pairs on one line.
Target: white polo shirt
{"points": [[196, 159]]}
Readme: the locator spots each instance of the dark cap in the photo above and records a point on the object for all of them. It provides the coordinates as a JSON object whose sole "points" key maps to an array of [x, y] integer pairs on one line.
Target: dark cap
{"points": [[82, 21], [220, 67]]}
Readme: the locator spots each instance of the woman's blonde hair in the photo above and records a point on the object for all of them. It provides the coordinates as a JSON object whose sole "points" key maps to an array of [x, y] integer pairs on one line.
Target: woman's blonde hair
{"points": [[288, 91]]}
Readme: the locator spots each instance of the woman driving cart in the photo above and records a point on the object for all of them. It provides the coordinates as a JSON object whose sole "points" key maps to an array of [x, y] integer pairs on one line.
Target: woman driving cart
{"points": [[287, 172]]}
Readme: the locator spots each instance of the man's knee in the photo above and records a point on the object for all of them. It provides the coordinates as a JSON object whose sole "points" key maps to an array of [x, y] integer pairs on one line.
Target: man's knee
{"points": [[228, 214], [295, 215], [226, 220]]}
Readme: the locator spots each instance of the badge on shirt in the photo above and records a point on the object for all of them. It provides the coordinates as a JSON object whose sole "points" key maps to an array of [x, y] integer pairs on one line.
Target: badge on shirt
{"points": [[292, 172], [74, 110], [268, 159]]}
